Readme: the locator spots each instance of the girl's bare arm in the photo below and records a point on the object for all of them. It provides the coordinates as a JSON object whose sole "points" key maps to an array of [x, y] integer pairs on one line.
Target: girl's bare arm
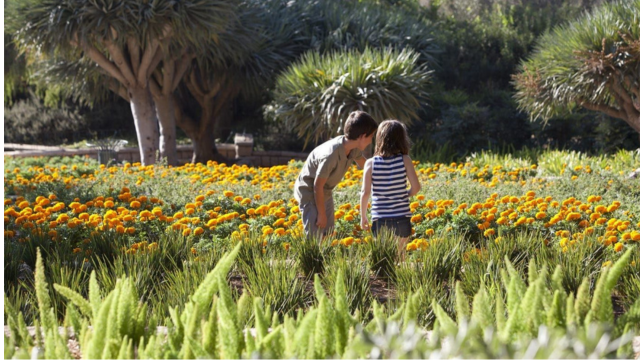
{"points": [[411, 175]]}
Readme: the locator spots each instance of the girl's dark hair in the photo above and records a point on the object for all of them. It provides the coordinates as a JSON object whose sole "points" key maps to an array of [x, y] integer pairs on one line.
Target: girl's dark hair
{"points": [[392, 139]]}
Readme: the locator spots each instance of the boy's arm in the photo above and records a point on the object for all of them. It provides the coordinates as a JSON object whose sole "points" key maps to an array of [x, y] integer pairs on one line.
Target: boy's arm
{"points": [[411, 175], [365, 193], [318, 195]]}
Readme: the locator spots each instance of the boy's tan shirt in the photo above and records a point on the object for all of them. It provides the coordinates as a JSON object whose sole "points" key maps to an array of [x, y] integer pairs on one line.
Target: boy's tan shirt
{"points": [[329, 161]]}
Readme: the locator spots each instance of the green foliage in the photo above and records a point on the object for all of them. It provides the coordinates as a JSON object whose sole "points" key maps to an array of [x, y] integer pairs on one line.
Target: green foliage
{"points": [[316, 94], [589, 62]]}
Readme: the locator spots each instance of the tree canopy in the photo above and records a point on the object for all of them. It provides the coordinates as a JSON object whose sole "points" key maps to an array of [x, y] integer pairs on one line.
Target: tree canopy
{"points": [[592, 62]]}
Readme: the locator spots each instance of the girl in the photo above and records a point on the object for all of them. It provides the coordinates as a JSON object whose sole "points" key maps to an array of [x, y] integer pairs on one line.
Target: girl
{"points": [[385, 180]]}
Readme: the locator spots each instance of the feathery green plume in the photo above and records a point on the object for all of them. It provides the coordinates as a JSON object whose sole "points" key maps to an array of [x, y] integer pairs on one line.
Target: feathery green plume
{"points": [[261, 325], [99, 337], [126, 349], [324, 331], [601, 299], [462, 303], [556, 279], [95, 296], [583, 301], [555, 315], [210, 331], [411, 309], [245, 308], [42, 294], [570, 311], [272, 344], [83, 305], [448, 326], [482, 310], [501, 321], [230, 334], [305, 333], [203, 295]]}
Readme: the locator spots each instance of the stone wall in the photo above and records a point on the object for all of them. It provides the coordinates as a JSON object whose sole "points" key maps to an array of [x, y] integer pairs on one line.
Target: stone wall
{"points": [[241, 150]]}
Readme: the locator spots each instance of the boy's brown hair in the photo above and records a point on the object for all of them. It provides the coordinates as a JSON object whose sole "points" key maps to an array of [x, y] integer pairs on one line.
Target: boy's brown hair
{"points": [[359, 123], [392, 139]]}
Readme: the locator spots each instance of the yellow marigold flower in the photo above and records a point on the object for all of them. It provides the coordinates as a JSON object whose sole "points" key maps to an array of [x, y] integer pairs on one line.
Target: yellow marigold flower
{"points": [[498, 240], [189, 211], [267, 231], [583, 223], [186, 232], [541, 215], [278, 222], [52, 233], [412, 246], [573, 216], [606, 263], [157, 211], [198, 231], [349, 218], [200, 198], [279, 231], [347, 241], [429, 232], [120, 229], [228, 193], [109, 204], [420, 197], [489, 232], [77, 250], [238, 198]]}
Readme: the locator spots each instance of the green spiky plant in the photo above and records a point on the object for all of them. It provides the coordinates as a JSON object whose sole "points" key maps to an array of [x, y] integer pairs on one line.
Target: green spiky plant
{"points": [[316, 94]]}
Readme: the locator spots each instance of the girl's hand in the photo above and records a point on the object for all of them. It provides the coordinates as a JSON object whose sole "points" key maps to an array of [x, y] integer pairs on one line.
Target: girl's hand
{"points": [[364, 223]]}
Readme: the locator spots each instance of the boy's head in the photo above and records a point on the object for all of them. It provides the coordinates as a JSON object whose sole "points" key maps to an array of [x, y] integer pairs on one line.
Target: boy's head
{"points": [[392, 139], [359, 123]]}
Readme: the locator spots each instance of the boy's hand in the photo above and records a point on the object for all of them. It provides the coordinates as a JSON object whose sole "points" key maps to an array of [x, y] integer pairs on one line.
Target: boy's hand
{"points": [[364, 223], [322, 220]]}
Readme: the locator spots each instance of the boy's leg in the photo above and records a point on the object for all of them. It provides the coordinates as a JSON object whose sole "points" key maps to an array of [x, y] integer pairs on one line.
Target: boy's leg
{"points": [[309, 214], [331, 219]]}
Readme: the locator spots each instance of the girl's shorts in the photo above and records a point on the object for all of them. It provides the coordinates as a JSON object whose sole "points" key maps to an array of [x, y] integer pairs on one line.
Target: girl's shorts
{"points": [[400, 226]]}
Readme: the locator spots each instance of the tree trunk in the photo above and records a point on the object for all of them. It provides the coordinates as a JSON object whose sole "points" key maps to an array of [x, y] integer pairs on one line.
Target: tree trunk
{"points": [[167, 122], [146, 123], [202, 137]]}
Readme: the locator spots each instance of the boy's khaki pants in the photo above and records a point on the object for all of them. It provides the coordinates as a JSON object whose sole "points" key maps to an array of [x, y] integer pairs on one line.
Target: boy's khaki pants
{"points": [[310, 216]]}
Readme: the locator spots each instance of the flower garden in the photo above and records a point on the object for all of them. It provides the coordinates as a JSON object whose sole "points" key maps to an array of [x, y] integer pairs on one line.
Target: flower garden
{"points": [[499, 243]]}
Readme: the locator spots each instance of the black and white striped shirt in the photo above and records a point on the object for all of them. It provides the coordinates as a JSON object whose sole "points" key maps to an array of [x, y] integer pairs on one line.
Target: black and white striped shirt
{"points": [[389, 195]]}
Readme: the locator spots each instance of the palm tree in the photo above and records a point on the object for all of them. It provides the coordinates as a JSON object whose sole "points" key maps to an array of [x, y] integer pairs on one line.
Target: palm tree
{"points": [[316, 94], [592, 62], [126, 39]]}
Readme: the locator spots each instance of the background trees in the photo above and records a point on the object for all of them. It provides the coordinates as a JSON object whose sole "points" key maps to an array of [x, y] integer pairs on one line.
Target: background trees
{"points": [[212, 83], [592, 62], [126, 39]]}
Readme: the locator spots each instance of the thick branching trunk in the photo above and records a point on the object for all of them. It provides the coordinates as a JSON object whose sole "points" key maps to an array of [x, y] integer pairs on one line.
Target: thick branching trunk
{"points": [[212, 96], [167, 122], [163, 84], [146, 123]]}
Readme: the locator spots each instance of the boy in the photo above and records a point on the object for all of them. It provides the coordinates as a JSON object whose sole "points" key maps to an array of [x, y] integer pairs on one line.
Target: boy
{"points": [[324, 169]]}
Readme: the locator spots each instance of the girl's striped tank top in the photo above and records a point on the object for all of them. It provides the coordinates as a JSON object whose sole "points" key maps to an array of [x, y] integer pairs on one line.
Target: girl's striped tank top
{"points": [[389, 196]]}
